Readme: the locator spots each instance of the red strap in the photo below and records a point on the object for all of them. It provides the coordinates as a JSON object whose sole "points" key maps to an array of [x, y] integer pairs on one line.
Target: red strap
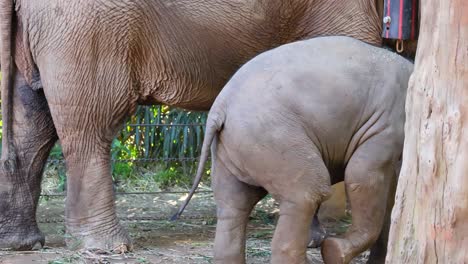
{"points": [[400, 22]]}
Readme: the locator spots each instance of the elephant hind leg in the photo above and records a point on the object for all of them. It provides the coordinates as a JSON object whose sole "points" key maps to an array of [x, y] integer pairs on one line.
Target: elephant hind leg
{"points": [[235, 201], [299, 200], [88, 113], [367, 179], [34, 137], [91, 218], [291, 235], [378, 251]]}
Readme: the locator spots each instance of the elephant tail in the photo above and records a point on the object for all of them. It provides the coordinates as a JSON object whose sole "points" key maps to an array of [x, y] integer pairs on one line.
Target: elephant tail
{"points": [[6, 62], [214, 125]]}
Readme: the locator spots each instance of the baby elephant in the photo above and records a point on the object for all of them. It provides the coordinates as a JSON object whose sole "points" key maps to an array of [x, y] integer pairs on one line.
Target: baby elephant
{"points": [[295, 120]]}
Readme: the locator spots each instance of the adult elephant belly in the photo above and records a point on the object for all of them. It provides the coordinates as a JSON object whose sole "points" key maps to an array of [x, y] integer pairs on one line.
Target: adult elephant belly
{"points": [[200, 97], [185, 58]]}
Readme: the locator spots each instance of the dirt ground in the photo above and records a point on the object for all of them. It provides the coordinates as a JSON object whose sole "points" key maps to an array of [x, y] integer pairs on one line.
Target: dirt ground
{"points": [[189, 240]]}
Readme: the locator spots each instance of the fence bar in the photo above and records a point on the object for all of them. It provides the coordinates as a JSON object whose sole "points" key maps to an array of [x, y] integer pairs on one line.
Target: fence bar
{"points": [[142, 160], [165, 125], [132, 193]]}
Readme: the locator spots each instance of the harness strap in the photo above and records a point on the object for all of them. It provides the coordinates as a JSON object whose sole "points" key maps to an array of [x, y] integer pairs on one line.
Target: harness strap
{"points": [[400, 19]]}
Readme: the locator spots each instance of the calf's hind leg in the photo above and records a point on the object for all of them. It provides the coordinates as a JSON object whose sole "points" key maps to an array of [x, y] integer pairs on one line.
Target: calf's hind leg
{"points": [[235, 200], [291, 235], [367, 178], [300, 196], [378, 251]]}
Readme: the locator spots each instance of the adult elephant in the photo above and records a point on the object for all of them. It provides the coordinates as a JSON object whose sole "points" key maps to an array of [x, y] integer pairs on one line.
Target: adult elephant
{"points": [[75, 70]]}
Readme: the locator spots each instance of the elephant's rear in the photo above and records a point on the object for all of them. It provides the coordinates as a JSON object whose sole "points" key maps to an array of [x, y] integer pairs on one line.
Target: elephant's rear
{"points": [[313, 108], [328, 88]]}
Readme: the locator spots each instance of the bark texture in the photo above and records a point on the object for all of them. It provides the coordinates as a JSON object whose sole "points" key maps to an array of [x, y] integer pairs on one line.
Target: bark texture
{"points": [[430, 216]]}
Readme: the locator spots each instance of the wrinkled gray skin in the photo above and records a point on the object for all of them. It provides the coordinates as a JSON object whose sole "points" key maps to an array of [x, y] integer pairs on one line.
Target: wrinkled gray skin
{"points": [[80, 68], [295, 120]]}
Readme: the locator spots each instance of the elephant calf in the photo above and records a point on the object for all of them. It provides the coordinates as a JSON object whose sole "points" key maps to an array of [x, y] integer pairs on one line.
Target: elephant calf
{"points": [[295, 120]]}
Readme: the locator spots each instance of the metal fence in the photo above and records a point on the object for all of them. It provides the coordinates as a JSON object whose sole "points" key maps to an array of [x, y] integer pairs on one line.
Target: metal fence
{"points": [[155, 135], [150, 133]]}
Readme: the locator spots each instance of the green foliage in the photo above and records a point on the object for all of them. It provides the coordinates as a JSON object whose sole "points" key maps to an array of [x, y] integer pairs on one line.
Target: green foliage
{"points": [[262, 234], [169, 139], [258, 252], [164, 138], [56, 155], [56, 152], [170, 177], [142, 260], [264, 217], [343, 224], [122, 170]]}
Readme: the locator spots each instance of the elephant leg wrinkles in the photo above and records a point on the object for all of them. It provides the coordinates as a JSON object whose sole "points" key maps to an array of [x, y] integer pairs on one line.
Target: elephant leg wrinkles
{"points": [[35, 136], [87, 115]]}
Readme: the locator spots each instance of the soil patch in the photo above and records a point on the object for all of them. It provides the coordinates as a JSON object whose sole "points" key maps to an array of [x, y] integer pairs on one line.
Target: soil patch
{"points": [[189, 240]]}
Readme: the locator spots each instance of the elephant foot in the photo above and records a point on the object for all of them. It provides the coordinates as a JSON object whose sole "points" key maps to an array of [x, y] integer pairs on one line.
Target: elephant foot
{"points": [[334, 251], [28, 238], [115, 241], [18, 226]]}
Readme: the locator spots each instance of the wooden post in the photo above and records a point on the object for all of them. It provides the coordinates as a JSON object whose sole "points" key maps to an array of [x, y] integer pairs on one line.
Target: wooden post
{"points": [[430, 216]]}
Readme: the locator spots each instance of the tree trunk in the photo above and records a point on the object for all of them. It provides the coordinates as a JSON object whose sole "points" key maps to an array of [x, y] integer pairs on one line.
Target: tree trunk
{"points": [[430, 216]]}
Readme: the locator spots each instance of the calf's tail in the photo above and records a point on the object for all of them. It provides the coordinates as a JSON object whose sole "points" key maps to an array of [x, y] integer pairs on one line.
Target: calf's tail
{"points": [[214, 125]]}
